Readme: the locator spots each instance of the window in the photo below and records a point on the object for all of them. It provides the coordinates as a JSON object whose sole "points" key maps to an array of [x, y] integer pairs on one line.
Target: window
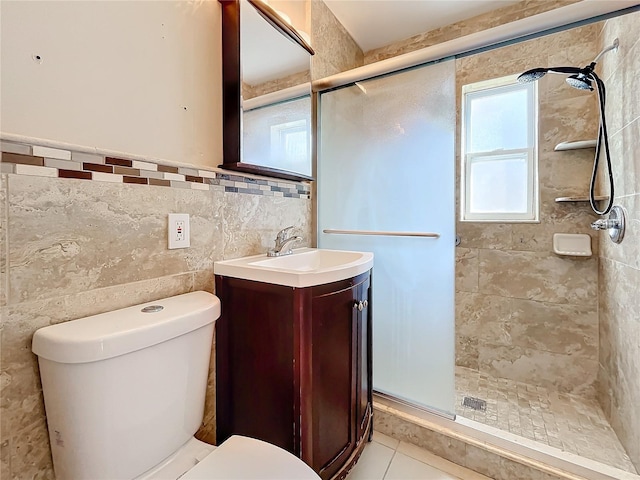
{"points": [[499, 157], [278, 136], [290, 143]]}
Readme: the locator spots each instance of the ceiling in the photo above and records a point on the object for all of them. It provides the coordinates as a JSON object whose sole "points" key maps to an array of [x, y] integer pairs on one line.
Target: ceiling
{"points": [[377, 23]]}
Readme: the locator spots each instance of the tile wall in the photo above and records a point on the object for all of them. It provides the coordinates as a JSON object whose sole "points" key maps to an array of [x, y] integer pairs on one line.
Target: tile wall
{"points": [[523, 312], [619, 273], [336, 51], [485, 21], [77, 240]]}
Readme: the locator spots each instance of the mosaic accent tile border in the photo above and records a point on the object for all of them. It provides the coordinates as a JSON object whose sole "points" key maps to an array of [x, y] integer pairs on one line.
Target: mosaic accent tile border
{"points": [[22, 159]]}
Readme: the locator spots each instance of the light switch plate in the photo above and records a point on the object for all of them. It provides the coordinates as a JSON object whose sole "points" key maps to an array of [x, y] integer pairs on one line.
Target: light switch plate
{"points": [[179, 231]]}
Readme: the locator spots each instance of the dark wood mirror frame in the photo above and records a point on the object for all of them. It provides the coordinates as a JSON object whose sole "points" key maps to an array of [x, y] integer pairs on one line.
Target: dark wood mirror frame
{"points": [[232, 86]]}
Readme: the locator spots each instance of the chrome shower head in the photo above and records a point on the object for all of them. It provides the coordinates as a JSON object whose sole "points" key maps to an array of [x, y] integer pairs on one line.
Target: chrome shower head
{"points": [[580, 81], [537, 73], [579, 76], [532, 75]]}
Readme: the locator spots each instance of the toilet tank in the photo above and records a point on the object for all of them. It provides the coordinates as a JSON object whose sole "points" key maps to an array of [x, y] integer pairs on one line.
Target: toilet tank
{"points": [[123, 390]]}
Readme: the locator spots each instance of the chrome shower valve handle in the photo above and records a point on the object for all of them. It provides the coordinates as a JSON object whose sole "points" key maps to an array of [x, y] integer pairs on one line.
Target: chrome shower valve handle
{"points": [[615, 224], [605, 224]]}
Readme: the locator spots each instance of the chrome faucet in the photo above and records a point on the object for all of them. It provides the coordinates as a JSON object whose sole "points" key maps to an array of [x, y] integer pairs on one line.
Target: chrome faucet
{"points": [[284, 241]]}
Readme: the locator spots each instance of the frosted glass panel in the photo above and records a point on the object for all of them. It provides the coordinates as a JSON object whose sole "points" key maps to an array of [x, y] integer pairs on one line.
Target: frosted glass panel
{"points": [[499, 183], [499, 121], [386, 163], [279, 136]]}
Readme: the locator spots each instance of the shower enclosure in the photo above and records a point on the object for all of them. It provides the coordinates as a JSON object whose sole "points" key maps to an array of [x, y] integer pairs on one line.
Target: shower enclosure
{"points": [[536, 353], [386, 185]]}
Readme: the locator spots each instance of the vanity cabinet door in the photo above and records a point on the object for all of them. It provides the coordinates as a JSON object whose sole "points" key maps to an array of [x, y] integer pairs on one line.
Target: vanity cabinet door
{"points": [[333, 373], [293, 368]]}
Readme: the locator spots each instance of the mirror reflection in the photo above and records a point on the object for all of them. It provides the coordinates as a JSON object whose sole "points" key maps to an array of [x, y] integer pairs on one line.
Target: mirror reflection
{"points": [[269, 60], [275, 89]]}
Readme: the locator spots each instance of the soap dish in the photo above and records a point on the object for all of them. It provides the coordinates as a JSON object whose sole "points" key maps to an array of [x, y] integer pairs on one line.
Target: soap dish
{"points": [[573, 244]]}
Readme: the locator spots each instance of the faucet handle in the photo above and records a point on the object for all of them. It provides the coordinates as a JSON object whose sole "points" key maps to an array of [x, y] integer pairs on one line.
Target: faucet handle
{"points": [[284, 234]]}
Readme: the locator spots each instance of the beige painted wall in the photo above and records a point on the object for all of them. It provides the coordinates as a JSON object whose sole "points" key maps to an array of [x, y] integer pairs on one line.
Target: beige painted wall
{"points": [[619, 360], [137, 77]]}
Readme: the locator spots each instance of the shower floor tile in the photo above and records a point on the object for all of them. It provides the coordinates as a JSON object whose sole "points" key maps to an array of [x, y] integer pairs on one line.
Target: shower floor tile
{"points": [[560, 420]]}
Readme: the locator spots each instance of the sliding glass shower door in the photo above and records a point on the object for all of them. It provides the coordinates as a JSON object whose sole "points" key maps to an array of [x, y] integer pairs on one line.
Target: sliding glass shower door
{"points": [[386, 179]]}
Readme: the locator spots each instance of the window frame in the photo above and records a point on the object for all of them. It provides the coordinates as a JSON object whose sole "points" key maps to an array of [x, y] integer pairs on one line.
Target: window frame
{"points": [[485, 89]]}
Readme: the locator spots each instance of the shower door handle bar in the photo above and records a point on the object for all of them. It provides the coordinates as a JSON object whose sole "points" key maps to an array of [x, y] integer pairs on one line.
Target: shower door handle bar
{"points": [[381, 233]]}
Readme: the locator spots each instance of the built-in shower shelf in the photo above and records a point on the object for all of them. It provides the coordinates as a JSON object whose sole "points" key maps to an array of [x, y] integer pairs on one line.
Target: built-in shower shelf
{"points": [[577, 145], [598, 198]]}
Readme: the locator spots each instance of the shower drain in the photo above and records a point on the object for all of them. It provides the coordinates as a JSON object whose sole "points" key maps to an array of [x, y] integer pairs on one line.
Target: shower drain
{"points": [[475, 403]]}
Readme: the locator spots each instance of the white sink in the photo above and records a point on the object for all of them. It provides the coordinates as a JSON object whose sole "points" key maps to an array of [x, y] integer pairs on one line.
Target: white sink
{"points": [[305, 267]]}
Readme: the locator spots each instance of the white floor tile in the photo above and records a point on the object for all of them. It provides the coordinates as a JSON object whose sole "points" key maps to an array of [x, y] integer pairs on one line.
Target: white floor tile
{"points": [[406, 468], [373, 463], [385, 440], [440, 463]]}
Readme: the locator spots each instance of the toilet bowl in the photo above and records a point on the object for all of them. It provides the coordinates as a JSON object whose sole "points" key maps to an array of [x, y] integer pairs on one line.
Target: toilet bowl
{"points": [[124, 396]]}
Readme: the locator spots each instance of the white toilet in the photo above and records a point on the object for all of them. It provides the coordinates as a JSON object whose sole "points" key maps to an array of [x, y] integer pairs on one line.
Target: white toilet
{"points": [[124, 394]]}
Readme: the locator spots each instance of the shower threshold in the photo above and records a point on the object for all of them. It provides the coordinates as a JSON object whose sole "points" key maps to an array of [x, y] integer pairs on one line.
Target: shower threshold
{"points": [[488, 450]]}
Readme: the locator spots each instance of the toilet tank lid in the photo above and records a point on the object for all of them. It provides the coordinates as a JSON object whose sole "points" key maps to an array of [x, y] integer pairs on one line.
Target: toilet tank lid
{"points": [[115, 333]]}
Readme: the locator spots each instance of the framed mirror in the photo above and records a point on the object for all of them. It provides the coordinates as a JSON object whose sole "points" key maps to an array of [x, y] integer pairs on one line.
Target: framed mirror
{"points": [[266, 92]]}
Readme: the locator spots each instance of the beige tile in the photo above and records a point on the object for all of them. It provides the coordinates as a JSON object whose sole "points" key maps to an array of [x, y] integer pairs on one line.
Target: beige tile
{"points": [[31, 457], [573, 423], [625, 156], [620, 83], [567, 329], [484, 235], [19, 148], [405, 468], [481, 461], [443, 446], [538, 276], [385, 440], [4, 242], [445, 466], [204, 280], [560, 371], [628, 252], [567, 120], [466, 269], [251, 222], [620, 351], [494, 18], [336, 51], [566, 171], [373, 462], [59, 246], [482, 316]]}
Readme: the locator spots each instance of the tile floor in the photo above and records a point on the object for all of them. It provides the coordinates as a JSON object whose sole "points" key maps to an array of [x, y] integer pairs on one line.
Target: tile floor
{"points": [[560, 420], [389, 459]]}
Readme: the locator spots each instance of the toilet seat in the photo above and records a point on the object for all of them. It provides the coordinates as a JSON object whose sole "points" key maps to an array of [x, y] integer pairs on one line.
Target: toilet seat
{"points": [[243, 458]]}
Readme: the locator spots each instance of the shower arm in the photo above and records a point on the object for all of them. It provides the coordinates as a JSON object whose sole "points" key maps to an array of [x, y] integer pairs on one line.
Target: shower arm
{"points": [[613, 46]]}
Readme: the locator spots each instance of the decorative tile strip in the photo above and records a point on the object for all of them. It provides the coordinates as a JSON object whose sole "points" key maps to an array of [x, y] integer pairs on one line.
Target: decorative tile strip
{"points": [[46, 161]]}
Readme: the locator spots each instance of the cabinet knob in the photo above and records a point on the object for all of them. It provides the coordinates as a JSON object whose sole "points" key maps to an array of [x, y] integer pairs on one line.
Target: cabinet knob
{"points": [[365, 304], [358, 305]]}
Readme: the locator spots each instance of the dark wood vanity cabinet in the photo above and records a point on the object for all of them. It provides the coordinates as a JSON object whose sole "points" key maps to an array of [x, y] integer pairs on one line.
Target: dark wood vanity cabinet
{"points": [[294, 368]]}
